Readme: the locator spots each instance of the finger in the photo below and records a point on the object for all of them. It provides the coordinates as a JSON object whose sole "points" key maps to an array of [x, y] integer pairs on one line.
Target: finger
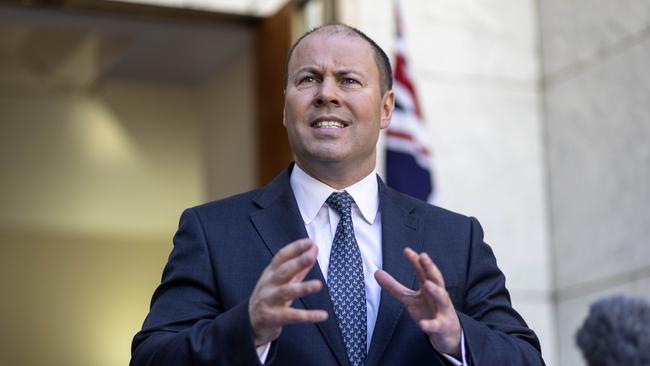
{"points": [[294, 316], [437, 295], [290, 291], [413, 258], [393, 287], [290, 251], [430, 326], [429, 299], [431, 270], [301, 274], [295, 267]]}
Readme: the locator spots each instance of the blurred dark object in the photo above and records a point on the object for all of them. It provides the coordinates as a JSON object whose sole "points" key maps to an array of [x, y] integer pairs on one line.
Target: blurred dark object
{"points": [[616, 332]]}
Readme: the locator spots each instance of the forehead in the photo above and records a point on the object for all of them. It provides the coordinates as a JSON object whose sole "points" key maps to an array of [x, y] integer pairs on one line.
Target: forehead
{"points": [[329, 48]]}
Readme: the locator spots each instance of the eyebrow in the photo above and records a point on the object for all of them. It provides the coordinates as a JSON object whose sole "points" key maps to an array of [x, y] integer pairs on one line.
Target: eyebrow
{"points": [[316, 70], [348, 72], [309, 69]]}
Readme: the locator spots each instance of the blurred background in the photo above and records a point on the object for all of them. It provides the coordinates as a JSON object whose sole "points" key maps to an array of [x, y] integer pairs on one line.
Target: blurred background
{"points": [[117, 115]]}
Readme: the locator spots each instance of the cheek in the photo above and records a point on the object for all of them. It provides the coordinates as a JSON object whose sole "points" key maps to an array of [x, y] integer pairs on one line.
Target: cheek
{"points": [[296, 102], [365, 106]]}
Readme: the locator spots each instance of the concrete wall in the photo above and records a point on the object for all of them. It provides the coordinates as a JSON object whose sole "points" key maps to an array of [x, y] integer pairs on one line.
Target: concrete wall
{"points": [[476, 67], [597, 112]]}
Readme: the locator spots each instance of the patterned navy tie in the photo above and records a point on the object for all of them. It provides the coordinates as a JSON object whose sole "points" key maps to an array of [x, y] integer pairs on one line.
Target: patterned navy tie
{"points": [[345, 281]]}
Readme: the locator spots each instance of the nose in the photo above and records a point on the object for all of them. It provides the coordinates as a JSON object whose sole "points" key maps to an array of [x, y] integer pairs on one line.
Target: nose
{"points": [[328, 94]]}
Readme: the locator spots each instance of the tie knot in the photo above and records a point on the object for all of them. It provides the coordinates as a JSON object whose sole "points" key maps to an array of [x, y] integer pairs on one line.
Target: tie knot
{"points": [[341, 202]]}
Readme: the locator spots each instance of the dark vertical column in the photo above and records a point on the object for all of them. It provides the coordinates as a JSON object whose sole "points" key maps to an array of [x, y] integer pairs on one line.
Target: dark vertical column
{"points": [[272, 43]]}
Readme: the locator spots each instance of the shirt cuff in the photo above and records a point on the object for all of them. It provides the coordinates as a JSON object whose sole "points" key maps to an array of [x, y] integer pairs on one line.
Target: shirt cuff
{"points": [[263, 352], [452, 359]]}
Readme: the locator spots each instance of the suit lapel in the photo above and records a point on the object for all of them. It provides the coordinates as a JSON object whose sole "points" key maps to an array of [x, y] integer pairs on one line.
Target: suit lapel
{"points": [[278, 223], [399, 230]]}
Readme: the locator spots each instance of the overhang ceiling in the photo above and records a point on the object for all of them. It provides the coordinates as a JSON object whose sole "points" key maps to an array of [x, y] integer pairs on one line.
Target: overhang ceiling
{"points": [[74, 50], [257, 8]]}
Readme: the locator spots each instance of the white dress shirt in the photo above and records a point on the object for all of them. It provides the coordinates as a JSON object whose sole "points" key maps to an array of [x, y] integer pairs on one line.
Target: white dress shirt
{"points": [[321, 222]]}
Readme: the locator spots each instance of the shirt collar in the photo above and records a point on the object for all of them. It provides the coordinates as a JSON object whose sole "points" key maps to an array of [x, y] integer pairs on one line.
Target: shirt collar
{"points": [[311, 194]]}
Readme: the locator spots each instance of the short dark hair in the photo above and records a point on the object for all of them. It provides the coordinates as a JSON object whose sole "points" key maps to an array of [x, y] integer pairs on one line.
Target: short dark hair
{"points": [[381, 59], [616, 332]]}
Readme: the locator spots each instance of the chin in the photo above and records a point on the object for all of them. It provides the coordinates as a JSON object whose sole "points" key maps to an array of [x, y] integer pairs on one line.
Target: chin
{"points": [[330, 154]]}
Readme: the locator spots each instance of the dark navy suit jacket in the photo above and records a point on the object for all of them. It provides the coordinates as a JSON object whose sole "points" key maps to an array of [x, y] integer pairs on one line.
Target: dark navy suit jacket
{"points": [[199, 313]]}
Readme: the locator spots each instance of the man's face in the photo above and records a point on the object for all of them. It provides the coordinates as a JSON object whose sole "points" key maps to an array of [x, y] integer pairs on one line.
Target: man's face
{"points": [[333, 107]]}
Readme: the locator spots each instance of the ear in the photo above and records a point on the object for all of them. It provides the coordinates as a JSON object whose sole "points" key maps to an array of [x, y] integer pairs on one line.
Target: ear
{"points": [[387, 107]]}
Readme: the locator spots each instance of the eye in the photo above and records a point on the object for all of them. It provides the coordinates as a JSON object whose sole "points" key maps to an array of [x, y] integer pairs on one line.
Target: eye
{"points": [[307, 80], [349, 81]]}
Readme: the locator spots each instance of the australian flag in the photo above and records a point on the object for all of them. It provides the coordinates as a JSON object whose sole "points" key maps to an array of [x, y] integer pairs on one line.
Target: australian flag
{"points": [[408, 168]]}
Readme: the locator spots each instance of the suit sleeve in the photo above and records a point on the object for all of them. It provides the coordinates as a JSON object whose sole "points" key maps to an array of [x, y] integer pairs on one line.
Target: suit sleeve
{"points": [[495, 333], [186, 324]]}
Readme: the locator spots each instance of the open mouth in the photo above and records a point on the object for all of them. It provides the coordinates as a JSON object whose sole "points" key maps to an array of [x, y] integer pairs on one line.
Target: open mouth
{"points": [[328, 124]]}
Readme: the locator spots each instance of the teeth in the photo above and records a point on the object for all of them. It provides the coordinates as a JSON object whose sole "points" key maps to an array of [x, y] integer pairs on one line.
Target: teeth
{"points": [[329, 124]]}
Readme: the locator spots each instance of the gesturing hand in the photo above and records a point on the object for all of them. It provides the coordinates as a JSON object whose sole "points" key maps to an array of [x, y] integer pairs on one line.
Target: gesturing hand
{"points": [[430, 306], [280, 283]]}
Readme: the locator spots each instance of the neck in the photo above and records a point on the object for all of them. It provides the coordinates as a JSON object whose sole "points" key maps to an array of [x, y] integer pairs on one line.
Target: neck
{"points": [[337, 175]]}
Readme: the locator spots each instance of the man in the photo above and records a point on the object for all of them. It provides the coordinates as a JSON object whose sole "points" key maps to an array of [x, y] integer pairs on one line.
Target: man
{"points": [[326, 265]]}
